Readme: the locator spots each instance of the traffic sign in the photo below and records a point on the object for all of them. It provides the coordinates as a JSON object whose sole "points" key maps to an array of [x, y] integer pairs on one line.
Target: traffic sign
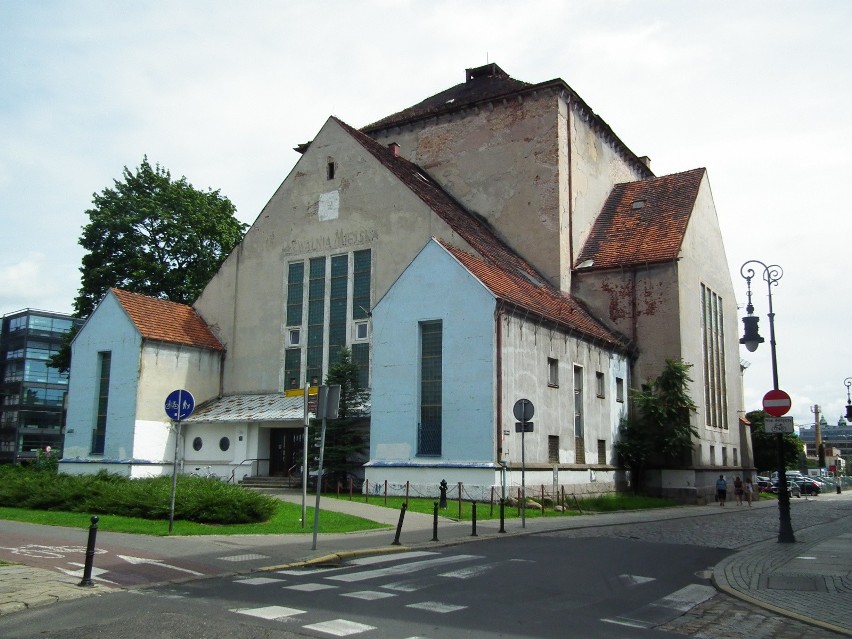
{"points": [[524, 427], [778, 425], [523, 410], [179, 404], [776, 403]]}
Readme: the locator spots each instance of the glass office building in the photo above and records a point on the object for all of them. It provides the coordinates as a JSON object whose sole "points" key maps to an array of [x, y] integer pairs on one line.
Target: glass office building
{"points": [[32, 393]]}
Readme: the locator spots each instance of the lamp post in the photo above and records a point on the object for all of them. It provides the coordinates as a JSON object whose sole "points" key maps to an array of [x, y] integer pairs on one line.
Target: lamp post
{"points": [[751, 339], [848, 382]]}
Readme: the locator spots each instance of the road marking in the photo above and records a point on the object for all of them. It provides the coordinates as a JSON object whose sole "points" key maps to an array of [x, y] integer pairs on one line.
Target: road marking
{"points": [[269, 612], [368, 595], [378, 559], [435, 606], [666, 608], [634, 580], [247, 557], [402, 569], [258, 581], [467, 573], [158, 562], [310, 587], [340, 627], [96, 572]]}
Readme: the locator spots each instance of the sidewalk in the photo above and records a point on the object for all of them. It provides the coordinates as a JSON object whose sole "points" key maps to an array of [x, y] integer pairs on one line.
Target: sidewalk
{"points": [[810, 580]]}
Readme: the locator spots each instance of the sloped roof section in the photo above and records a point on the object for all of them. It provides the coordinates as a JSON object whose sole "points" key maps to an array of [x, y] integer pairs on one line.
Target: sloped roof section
{"points": [[540, 299], [165, 321], [481, 84], [473, 228], [642, 222], [254, 407]]}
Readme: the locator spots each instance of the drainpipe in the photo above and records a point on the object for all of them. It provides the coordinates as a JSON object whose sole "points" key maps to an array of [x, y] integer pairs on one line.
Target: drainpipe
{"points": [[499, 420]]}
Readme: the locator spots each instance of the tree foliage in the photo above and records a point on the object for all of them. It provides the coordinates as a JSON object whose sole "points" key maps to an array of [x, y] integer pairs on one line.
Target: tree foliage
{"points": [[765, 445], [152, 235], [346, 438], [660, 431], [156, 236]]}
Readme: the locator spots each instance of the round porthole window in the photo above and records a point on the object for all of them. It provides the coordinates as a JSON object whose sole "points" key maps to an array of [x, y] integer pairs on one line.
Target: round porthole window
{"points": [[197, 443], [224, 443]]}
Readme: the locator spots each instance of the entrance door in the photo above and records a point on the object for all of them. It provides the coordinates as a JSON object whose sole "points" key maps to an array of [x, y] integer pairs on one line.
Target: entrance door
{"points": [[285, 451]]}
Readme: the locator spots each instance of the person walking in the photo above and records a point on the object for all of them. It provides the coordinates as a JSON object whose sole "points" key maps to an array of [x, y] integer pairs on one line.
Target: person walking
{"points": [[738, 490], [749, 491], [721, 490]]}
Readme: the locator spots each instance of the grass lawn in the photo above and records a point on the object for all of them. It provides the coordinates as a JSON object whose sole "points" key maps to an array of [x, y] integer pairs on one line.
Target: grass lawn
{"points": [[285, 521]]}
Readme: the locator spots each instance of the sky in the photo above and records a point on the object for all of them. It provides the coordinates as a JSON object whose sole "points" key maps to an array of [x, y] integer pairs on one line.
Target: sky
{"points": [[756, 92]]}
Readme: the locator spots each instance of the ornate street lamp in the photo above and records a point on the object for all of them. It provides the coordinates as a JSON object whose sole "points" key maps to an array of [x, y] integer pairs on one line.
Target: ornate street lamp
{"points": [[848, 382], [751, 339]]}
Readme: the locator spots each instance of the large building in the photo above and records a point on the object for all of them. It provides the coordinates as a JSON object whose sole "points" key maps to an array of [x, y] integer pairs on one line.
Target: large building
{"points": [[33, 393], [493, 242]]}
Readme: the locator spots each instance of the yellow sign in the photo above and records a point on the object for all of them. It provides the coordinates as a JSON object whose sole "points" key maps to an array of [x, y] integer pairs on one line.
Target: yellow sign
{"points": [[300, 392]]}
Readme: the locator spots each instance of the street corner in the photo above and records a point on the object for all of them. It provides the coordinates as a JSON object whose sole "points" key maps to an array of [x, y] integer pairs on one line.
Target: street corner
{"points": [[24, 587]]}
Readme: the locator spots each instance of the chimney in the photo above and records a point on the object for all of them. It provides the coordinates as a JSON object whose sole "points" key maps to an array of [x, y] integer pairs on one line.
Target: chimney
{"points": [[646, 161], [394, 149]]}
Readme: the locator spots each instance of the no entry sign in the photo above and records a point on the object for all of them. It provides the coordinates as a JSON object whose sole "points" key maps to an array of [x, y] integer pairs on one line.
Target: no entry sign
{"points": [[776, 403]]}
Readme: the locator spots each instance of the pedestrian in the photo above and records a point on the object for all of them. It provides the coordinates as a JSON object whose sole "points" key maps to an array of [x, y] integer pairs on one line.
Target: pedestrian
{"points": [[738, 490], [749, 491], [721, 490]]}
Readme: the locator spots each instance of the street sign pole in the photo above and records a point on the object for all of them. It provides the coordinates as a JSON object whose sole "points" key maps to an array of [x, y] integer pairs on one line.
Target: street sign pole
{"points": [[523, 410], [176, 429], [179, 405]]}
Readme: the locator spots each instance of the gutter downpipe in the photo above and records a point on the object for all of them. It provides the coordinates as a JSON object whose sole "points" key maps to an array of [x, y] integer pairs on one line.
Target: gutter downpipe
{"points": [[499, 366]]}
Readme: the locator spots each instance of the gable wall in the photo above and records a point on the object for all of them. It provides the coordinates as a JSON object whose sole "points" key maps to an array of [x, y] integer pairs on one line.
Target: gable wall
{"points": [[364, 207], [435, 287], [107, 329]]}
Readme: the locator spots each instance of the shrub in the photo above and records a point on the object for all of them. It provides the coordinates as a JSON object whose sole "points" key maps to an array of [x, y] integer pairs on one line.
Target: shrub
{"points": [[196, 499]]}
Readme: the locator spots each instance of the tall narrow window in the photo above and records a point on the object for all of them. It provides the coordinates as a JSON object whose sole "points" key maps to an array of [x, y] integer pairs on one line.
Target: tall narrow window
{"points": [[99, 433], [361, 264], [339, 286], [293, 367], [431, 378], [619, 389], [316, 317], [330, 169], [713, 338], [602, 451], [579, 438]]}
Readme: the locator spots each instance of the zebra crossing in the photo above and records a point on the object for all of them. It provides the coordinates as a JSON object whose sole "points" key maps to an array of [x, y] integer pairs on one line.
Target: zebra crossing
{"points": [[403, 577], [382, 571]]}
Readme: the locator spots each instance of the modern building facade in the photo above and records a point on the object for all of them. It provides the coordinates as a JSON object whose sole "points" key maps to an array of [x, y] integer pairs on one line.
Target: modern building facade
{"points": [[33, 393], [582, 271]]}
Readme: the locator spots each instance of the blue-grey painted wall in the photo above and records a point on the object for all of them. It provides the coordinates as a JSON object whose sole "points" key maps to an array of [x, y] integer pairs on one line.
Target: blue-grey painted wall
{"points": [[435, 286], [107, 329]]}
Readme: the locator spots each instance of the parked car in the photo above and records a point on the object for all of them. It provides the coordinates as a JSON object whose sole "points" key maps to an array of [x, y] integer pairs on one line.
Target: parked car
{"points": [[763, 484], [808, 486], [793, 488]]}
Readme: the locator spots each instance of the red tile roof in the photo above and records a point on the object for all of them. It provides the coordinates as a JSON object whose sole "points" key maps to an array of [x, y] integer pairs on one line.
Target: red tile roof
{"points": [[165, 321], [643, 222], [507, 274], [542, 300]]}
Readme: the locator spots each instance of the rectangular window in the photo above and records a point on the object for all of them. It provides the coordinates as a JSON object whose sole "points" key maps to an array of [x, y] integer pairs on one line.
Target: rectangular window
{"points": [[361, 284], [619, 389], [578, 401], [713, 342], [599, 384], [338, 291], [553, 449], [294, 337], [736, 461], [431, 378], [293, 367], [99, 433], [316, 320], [552, 372], [361, 358], [295, 293], [361, 331], [602, 451], [712, 455], [724, 456]]}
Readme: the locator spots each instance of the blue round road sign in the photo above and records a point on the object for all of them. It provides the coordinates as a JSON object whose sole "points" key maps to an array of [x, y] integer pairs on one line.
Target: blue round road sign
{"points": [[180, 404]]}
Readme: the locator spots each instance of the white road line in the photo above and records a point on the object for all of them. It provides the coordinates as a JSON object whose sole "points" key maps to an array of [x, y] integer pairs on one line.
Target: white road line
{"points": [[310, 587], [379, 559], [467, 573], [634, 580], [368, 595], [269, 612], [340, 627], [258, 581], [435, 606], [402, 569]]}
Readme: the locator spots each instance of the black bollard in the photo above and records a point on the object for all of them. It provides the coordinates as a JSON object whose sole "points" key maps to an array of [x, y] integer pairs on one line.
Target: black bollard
{"points": [[473, 518], [399, 525], [443, 489], [435, 523], [502, 515], [90, 553]]}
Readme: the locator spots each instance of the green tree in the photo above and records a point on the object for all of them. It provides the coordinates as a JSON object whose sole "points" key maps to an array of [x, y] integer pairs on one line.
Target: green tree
{"points": [[765, 445], [660, 432], [153, 235], [346, 438]]}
